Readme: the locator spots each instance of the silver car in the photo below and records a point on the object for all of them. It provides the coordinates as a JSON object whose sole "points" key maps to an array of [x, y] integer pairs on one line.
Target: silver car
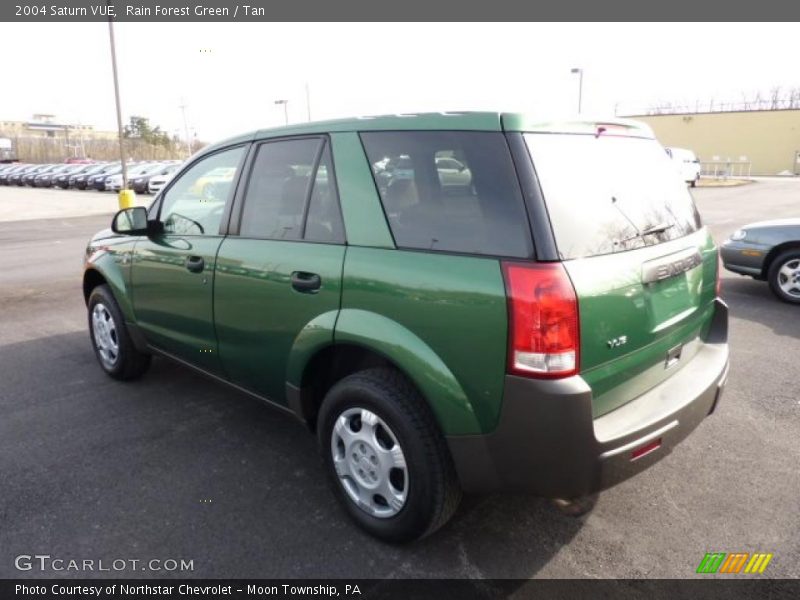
{"points": [[767, 251]]}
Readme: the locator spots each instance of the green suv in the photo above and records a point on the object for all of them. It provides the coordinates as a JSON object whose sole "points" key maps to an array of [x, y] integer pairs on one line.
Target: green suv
{"points": [[452, 302]]}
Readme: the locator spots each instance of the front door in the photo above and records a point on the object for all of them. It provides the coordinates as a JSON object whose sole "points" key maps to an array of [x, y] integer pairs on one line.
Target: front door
{"points": [[172, 275], [281, 273]]}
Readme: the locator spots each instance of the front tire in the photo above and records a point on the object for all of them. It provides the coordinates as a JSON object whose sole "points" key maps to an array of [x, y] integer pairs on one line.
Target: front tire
{"points": [[784, 276], [112, 343], [385, 456]]}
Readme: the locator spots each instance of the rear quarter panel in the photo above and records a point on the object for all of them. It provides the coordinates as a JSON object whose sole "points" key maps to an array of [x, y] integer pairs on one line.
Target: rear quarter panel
{"points": [[449, 311]]}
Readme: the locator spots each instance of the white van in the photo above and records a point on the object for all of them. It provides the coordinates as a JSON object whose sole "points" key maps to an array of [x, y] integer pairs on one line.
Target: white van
{"points": [[687, 163]]}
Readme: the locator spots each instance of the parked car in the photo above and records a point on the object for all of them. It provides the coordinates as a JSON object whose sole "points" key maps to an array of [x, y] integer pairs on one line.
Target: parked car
{"points": [[97, 180], [17, 177], [157, 182], [687, 163], [139, 183], [62, 179], [28, 178], [114, 182], [537, 332], [45, 178], [8, 169], [79, 180], [768, 251]]}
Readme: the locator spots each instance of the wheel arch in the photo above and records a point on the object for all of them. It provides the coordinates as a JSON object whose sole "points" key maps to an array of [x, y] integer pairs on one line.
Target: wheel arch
{"points": [[105, 270], [774, 253], [92, 278], [363, 339]]}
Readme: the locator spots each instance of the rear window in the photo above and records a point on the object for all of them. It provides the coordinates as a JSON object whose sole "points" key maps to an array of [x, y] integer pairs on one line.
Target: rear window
{"points": [[609, 193], [450, 191]]}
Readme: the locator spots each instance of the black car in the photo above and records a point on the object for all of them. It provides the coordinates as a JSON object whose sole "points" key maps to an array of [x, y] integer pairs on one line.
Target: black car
{"points": [[139, 183], [62, 179], [45, 179], [98, 181], [28, 179], [17, 177], [81, 180], [9, 170]]}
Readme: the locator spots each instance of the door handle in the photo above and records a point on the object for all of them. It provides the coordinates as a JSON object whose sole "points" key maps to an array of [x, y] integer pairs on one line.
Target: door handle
{"points": [[195, 264], [308, 283]]}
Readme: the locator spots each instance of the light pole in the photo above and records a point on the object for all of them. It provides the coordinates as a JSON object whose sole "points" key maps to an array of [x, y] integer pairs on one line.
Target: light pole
{"points": [[186, 127], [285, 110], [119, 112], [308, 101], [580, 85]]}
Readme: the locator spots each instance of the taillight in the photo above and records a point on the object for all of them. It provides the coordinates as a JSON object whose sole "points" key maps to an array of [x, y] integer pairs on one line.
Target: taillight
{"points": [[718, 287], [543, 334]]}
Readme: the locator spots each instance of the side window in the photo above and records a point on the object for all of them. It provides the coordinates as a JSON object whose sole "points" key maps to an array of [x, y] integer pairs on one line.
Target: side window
{"points": [[279, 185], [324, 221], [194, 204], [450, 191]]}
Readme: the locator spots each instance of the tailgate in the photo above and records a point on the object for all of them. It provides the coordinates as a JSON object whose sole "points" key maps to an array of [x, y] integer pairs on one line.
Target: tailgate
{"points": [[643, 266], [643, 315]]}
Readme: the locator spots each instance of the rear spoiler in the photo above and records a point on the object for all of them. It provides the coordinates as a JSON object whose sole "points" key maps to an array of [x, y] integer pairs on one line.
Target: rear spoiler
{"points": [[611, 126]]}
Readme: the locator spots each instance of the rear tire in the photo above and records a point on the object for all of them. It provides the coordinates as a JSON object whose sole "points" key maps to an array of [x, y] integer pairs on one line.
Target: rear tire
{"points": [[386, 458], [112, 343], [784, 276]]}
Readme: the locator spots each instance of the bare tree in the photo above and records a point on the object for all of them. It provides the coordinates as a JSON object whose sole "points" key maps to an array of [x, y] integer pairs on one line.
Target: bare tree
{"points": [[775, 98]]}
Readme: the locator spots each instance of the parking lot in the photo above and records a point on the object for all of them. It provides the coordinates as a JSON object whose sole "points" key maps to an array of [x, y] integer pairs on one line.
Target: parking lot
{"points": [[174, 466]]}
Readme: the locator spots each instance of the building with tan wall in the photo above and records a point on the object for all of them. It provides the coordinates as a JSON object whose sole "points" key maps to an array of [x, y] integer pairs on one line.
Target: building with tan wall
{"points": [[43, 138], [768, 139]]}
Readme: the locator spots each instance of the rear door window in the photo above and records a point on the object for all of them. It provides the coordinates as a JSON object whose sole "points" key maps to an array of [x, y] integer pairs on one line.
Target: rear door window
{"points": [[608, 193], [450, 191], [279, 185], [291, 194]]}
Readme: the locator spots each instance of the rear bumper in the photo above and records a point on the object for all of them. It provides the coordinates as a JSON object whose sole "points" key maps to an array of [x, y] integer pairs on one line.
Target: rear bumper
{"points": [[547, 442]]}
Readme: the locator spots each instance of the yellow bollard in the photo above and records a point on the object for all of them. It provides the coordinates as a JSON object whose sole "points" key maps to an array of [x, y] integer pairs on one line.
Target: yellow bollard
{"points": [[127, 198]]}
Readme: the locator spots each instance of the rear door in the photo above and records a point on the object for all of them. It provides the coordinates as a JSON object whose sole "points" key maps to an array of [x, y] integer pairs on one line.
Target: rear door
{"points": [[643, 267], [280, 270]]}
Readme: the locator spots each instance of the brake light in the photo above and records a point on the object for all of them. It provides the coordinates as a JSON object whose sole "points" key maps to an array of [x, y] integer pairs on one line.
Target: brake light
{"points": [[543, 334], [718, 286]]}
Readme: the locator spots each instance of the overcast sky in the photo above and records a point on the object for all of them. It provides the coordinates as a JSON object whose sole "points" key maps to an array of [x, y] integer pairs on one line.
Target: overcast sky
{"points": [[230, 74]]}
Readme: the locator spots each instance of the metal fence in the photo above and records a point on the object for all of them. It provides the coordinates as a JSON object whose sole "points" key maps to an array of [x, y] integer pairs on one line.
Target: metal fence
{"points": [[723, 169]]}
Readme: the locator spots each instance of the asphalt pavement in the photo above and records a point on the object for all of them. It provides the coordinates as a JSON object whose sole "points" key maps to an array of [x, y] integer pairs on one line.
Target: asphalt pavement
{"points": [[174, 466]]}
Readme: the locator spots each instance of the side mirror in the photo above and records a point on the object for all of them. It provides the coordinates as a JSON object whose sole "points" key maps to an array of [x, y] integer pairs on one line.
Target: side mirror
{"points": [[130, 221]]}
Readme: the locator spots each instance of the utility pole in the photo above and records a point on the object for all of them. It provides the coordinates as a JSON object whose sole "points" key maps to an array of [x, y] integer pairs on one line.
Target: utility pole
{"points": [[119, 109], [285, 110], [580, 85], [308, 101], [186, 128]]}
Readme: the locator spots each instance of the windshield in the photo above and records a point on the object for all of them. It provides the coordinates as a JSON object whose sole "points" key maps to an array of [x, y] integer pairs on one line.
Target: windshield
{"points": [[609, 193]]}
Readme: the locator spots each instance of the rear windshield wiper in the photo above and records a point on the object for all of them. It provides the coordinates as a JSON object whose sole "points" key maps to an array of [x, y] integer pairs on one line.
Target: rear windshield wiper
{"points": [[660, 228], [640, 234]]}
